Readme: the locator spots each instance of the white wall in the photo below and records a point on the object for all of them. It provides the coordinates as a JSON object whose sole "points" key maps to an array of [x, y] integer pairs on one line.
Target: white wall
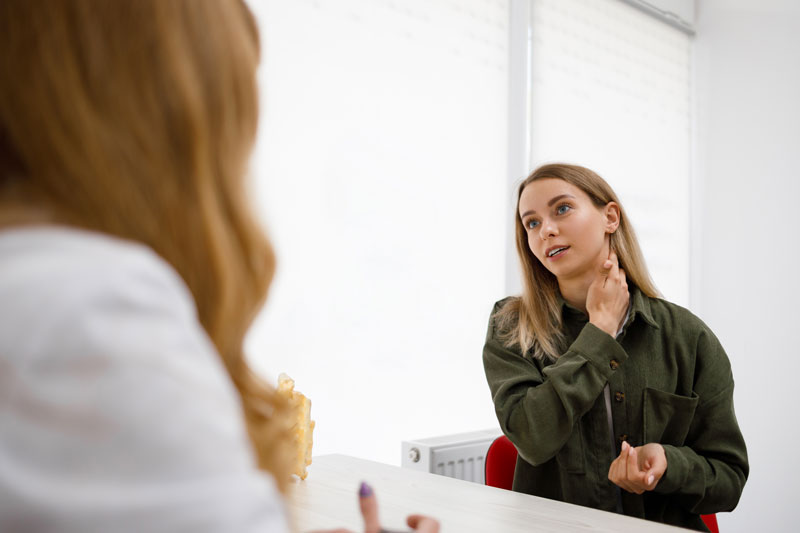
{"points": [[380, 170], [748, 155]]}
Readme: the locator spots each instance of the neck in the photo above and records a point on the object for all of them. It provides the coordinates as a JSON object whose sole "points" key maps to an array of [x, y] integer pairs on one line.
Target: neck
{"points": [[574, 291]]}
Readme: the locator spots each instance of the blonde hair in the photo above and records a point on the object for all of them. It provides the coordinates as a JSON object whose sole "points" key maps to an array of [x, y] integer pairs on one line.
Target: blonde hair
{"points": [[533, 320], [136, 118]]}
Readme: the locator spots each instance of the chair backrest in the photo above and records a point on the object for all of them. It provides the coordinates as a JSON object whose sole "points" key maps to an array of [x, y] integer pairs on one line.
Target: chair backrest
{"points": [[501, 459], [711, 522]]}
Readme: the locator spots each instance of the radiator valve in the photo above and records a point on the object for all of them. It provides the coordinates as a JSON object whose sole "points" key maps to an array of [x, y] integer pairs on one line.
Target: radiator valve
{"points": [[413, 454]]}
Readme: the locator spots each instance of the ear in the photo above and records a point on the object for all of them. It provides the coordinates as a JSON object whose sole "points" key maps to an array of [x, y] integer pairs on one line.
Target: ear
{"points": [[611, 216]]}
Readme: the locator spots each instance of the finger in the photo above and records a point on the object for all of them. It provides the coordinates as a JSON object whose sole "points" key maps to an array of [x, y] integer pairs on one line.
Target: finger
{"points": [[617, 474], [422, 524], [602, 273], [632, 463], [622, 458], [650, 480], [614, 273], [626, 464], [369, 508], [624, 450], [645, 461], [636, 476], [605, 268]]}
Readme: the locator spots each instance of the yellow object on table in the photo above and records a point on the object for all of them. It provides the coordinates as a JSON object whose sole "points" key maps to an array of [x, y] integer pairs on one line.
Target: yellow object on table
{"points": [[302, 425]]}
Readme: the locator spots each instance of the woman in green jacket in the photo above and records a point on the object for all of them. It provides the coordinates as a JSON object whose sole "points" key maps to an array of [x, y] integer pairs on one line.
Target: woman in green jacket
{"points": [[614, 398]]}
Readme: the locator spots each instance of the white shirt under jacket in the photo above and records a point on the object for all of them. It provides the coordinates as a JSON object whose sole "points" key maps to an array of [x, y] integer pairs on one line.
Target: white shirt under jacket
{"points": [[116, 413]]}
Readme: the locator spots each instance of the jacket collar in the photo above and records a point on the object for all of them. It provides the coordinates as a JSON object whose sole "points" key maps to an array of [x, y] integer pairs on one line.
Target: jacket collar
{"points": [[640, 306]]}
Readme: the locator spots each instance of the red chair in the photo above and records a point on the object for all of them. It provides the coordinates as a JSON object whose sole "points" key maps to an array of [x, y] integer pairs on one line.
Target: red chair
{"points": [[502, 458]]}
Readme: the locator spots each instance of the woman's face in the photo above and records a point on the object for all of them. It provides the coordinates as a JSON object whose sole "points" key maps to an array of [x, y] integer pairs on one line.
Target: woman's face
{"points": [[567, 232]]}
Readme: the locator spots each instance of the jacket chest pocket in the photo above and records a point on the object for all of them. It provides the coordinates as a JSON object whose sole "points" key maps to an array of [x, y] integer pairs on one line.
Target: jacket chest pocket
{"points": [[668, 417], [571, 457]]}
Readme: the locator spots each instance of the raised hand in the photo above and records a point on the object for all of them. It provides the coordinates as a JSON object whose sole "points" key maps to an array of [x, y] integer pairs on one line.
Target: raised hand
{"points": [[607, 299]]}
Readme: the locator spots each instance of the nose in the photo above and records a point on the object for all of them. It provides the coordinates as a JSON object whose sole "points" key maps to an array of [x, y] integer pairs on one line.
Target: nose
{"points": [[548, 229]]}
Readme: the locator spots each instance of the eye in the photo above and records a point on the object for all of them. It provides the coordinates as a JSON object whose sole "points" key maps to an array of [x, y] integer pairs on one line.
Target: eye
{"points": [[532, 223], [563, 208]]}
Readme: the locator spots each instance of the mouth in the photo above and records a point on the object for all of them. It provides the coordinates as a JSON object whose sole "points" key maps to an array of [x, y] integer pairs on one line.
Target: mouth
{"points": [[556, 251]]}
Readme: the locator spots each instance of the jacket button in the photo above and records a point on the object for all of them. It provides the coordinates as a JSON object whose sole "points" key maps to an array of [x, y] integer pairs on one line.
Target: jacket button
{"points": [[614, 364], [622, 438], [619, 396]]}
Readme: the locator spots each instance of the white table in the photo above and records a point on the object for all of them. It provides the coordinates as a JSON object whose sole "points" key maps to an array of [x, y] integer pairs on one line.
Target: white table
{"points": [[327, 499]]}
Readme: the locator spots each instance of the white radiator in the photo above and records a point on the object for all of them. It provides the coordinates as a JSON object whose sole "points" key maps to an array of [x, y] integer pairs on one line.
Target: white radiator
{"points": [[461, 456]]}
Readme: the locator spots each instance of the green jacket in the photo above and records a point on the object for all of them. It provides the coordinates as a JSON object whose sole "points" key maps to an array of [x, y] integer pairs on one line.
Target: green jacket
{"points": [[670, 382]]}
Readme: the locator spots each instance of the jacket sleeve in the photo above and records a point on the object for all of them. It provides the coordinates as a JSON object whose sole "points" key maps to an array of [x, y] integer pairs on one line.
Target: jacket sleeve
{"points": [[538, 409], [707, 474]]}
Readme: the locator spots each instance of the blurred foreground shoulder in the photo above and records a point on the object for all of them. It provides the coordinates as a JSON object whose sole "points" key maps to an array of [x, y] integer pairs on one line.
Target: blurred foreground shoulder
{"points": [[121, 415]]}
